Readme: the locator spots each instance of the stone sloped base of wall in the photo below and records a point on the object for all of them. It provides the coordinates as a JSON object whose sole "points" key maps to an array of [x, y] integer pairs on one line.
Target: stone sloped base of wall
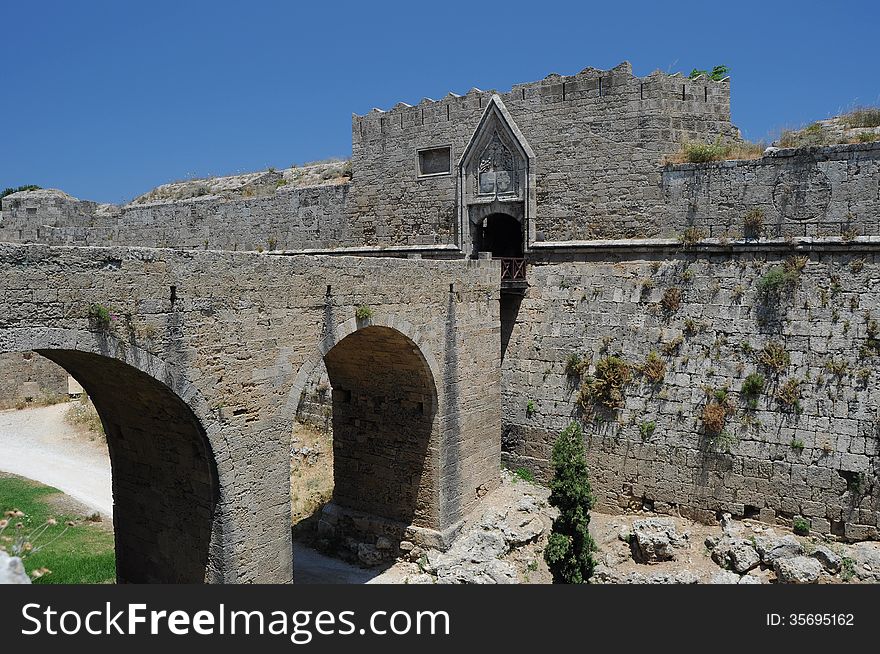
{"points": [[372, 540]]}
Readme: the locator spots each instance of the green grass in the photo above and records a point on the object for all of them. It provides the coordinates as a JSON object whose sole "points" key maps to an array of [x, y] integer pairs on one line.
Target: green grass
{"points": [[83, 555], [525, 474]]}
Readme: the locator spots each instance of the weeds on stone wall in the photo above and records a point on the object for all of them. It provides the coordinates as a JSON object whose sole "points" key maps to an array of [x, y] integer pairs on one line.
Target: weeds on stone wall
{"points": [[573, 365], [871, 346], [774, 357], [363, 312], [647, 428], [691, 236], [838, 368], [752, 389], [672, 346], [716, 411], [100, 317], [789, 396], [753, 224], [671, 300], [781, 280], [654, 367], [605, 387]]}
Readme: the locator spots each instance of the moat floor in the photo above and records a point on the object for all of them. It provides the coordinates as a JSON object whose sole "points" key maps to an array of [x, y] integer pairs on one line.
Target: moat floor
{"points": [[39, 444]]}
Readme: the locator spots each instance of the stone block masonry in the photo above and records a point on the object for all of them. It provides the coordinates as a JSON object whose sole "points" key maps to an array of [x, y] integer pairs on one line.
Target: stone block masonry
{"points": [[289, 218], [198, 371], [812, 192], [26, 377], [601, 221], [804, 444]]}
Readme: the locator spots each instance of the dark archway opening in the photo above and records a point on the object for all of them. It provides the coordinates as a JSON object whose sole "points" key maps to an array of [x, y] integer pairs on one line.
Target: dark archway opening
{"points": [[381, 402], [384, 404], [502, 235], [165, 488]]}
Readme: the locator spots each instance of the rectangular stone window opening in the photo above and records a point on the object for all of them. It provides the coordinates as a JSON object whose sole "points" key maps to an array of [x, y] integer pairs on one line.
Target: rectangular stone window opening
{"points": [[435, 161]]}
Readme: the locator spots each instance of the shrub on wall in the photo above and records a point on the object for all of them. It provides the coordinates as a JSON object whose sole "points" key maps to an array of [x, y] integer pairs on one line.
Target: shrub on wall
{"points": [[654, 368], [99, 317], [18, 189], [569, 551], [671, 301], [606, 385], [753, 223], [774, 357]]}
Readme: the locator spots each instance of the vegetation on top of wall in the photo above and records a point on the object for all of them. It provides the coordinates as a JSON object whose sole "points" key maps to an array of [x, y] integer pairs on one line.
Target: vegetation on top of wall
{"points": [[363, 312], [18, 189], [716, 151], [717, 73], [856, 126], [606, 385], [862, 117], [691, 236]]}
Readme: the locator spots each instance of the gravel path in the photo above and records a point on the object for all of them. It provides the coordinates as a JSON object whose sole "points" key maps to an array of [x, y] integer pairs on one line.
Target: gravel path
{"points": [[38, 444]]}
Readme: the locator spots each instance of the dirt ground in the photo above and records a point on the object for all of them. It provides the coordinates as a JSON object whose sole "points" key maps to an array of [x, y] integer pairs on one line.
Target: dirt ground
{"points": [[41, 444]]}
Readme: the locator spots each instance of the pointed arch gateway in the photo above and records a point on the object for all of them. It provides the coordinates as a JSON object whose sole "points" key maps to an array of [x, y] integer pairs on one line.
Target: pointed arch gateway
{"points": [[496, 185]]}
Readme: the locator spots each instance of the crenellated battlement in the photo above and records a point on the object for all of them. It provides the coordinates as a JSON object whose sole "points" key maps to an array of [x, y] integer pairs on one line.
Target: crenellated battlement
{"points": [[601, 88]]}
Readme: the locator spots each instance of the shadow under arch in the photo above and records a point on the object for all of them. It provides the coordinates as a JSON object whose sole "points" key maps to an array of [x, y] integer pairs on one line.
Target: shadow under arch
{"points": [[164, 475], [385, 437]]}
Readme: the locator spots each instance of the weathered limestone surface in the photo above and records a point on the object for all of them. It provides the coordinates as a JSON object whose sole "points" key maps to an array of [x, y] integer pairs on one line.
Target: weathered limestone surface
{"points": [[289, 218], [813, 192], [27, 377], [199, 372], [817, 459], [602, 249]]}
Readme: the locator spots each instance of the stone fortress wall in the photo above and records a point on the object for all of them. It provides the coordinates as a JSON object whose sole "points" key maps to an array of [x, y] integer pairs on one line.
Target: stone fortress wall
{"points": [[606, 249]]}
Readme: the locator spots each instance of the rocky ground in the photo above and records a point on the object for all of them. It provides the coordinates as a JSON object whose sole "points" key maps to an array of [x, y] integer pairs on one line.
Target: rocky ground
{"points": [[503, 542]]}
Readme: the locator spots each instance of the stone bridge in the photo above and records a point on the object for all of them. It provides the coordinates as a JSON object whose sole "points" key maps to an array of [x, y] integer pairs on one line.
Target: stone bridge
{"points": [[196, 362]]}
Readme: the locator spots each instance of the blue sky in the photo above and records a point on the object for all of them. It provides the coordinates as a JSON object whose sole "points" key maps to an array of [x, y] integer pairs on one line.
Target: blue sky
{"points": [[109, 99]]}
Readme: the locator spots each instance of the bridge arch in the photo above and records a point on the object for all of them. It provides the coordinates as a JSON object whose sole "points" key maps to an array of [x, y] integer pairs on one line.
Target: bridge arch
{"points": [[385, 416], [158, 426]]}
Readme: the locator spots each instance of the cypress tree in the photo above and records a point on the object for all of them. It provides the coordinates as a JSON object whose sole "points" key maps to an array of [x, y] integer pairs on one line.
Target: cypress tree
{"points": [[569, 551]]}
